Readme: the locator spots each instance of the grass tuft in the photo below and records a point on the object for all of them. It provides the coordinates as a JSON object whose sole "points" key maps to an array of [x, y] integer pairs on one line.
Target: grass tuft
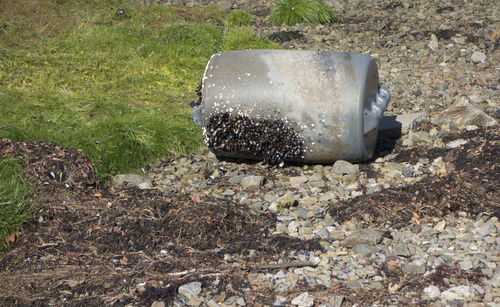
{"points": [[238, 18], [244, 38], [291, 12], [14, 199]]}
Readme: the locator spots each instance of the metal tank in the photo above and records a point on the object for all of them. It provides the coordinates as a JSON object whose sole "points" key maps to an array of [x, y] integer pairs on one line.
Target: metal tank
{"points": [[287, 105]]}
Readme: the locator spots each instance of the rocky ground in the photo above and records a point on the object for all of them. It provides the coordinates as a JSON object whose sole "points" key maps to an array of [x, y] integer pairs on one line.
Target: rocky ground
{"points": [[416, 225]]}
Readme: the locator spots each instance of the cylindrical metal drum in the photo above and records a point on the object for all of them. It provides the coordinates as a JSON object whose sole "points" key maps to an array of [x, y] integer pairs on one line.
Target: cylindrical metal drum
{"points": [[287, 105]]}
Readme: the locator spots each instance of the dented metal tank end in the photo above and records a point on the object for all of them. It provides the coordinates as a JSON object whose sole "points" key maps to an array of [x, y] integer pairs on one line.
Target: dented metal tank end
{"points": [[288, 105]]}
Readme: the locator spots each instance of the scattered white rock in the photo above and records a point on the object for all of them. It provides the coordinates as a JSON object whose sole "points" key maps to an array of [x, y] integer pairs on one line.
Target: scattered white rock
{"points": [[158, 304], [252, 182], [456, 143], [458, 293], [462, 113], [341, 167], [432, 291], [433, 44], [298, 182], [140, 181], [439, 227], [364, 236], [337, 300], [394, 126], [478, 57], [190, 290], [465, 265], [303, 300]]}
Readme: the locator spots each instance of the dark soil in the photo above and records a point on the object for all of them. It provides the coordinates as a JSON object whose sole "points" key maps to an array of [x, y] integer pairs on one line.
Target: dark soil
{"points": [[93, 245], [471, 185]]}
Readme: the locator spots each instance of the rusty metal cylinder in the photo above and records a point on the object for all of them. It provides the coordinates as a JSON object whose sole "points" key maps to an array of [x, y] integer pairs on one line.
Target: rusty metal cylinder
{"points": [[287, 105]]}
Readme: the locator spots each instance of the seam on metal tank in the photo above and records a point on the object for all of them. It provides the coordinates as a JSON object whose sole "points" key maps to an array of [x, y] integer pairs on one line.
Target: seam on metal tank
{"points": [[360, 109]]}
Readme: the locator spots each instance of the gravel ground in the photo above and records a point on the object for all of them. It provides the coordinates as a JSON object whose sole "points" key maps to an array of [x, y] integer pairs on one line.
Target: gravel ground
{"points": [[416, 225], [431, 55]]}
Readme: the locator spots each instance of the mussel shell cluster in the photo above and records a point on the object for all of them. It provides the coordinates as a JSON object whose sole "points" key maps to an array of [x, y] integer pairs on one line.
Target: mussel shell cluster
{"points": [[269, 139]]}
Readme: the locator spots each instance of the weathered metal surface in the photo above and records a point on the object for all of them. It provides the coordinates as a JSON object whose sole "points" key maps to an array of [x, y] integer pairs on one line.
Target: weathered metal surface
{"points": [[324, 104]]}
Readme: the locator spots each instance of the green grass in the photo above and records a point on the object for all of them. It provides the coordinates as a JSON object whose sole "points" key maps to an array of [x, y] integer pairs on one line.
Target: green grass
{"points": [[116, 87], [239, 18], [14, 199], [244, 38], [291, 12]]}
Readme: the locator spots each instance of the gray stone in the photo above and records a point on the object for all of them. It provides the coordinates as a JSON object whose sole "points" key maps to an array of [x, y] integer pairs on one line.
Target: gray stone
{"points": [[364, 236], [458, 293], [182, 303], [279, 301], [323, 233], [413, 268], [252, 182], [439, 227], [486, 229], [228, 192], [190, 290], [303, 300], [212, 303], [478, 288], [478, 57], [202, 184], [364, 250], [456, 143], [298, 182], [181, 171], [316, 176], [337, 235], [432, 291], [462, 113], [235, 300], [373, 189], [336, 301], [395, 126], [433, 44], [236, 179], [352, 284], [341, 167], [158, 304], [495, 281], [240, 301], [140, 181], [465, 265], [401, 249], [441, 86], [407, 172], [257, 206], [420, 137], [301, 212]]}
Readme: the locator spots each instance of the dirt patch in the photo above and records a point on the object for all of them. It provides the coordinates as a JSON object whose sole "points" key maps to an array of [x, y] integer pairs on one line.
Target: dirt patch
{"points": [[91, 245], [50, 167], [285, 36], [471, 184]]}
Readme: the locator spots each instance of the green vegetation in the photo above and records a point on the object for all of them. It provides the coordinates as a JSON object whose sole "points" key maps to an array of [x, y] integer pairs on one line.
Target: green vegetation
{"points": [[291, 12], [115, 84], [14, 198], [244, 38], [239, 18]]}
